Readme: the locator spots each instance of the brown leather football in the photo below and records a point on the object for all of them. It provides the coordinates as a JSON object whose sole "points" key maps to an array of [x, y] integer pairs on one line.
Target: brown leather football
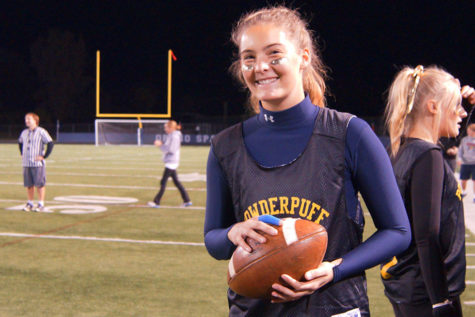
{"points": [[299, 246]]}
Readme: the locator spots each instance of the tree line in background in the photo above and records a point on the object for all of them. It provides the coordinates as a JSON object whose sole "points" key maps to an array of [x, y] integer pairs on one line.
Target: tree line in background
{"points": [[53, 82], [57, 81]]}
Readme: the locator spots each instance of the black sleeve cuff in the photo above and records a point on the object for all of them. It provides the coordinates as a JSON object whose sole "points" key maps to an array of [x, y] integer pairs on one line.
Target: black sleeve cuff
{"points": [[49, 149]]}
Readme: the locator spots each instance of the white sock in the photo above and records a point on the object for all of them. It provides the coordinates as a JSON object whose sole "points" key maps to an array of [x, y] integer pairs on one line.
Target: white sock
{"points": [[41, 202], [30, 202]]}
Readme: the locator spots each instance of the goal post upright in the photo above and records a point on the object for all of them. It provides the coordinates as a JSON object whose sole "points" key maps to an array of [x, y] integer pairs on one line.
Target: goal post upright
{"points": [[98, 81], [169, 90], [166, 115], [137, 116]]}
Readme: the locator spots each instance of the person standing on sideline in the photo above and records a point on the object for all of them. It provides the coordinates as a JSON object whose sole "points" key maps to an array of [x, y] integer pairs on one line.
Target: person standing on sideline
{"points": [[466, 155], [32, 141], [171, 158], [427, 279]]}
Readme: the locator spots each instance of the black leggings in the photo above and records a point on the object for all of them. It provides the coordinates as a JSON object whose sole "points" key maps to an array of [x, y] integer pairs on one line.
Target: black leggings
{"points": [[163, 184], [424, 310]]}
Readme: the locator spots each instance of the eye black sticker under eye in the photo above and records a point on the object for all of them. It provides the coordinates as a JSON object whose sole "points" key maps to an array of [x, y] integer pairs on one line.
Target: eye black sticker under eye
{"points": [[247, 68], [279, 61]]}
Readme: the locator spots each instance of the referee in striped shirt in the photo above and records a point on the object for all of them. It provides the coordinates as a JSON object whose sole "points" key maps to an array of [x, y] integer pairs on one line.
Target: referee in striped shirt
{"points": [[32, 141]]}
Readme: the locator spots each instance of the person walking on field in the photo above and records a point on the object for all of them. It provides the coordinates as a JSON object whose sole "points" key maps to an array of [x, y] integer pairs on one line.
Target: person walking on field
{"points": [[31, 142], [171, 158], [466, 155]]}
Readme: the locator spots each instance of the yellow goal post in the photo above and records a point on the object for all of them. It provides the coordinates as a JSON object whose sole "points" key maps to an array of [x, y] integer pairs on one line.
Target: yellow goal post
{"points": [[139, 116]]}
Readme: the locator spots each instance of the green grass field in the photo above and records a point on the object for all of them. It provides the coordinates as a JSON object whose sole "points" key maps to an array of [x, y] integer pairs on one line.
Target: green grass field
{"points": [[132, 276]]}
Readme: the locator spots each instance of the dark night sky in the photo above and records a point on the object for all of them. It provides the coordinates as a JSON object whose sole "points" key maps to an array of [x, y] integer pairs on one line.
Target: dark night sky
{"points": [[363, 43]]}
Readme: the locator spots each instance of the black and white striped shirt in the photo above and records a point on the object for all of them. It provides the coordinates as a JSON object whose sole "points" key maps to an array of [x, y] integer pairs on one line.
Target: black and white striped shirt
{"points": [[33, 142]]}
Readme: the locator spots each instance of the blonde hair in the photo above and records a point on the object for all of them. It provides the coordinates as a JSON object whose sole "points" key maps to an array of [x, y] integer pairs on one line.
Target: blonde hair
{"points": [[173, 125], [313, 75], [434, 83]]}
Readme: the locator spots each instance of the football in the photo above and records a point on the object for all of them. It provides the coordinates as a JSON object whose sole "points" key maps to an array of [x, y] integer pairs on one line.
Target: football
{"points": [[298, 247]]}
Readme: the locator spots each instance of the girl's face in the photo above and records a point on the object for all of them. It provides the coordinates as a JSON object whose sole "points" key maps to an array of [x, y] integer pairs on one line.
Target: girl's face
{"points": [[451, 120], [167, 129], [272, 66]]}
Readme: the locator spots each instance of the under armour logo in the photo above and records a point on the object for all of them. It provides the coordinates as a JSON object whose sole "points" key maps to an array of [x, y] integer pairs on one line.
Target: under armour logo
{"points": [[268, 118]]}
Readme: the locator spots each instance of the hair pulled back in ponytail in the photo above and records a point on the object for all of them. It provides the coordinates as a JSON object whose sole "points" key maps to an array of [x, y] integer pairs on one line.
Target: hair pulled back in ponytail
{"points": [[433, 83]]}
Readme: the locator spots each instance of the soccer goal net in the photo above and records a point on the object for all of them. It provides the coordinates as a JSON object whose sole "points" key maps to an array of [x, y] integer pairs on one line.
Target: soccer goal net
{"points": [[128, 131]]}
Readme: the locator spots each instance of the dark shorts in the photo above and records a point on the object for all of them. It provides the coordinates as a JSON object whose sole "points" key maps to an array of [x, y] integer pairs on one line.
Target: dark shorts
{"points": [[466, 170], [34, 176]]}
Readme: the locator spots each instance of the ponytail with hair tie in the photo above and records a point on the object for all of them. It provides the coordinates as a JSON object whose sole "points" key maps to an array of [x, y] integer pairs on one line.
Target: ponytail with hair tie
{"points": [[409, 91], [418, 71]]}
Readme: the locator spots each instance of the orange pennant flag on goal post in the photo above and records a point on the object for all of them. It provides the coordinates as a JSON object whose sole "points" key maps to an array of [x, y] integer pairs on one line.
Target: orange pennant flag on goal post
{"points": [[173, 55]]}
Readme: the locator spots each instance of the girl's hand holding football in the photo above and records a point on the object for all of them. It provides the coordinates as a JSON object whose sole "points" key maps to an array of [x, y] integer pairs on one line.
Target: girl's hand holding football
{"points": [[248, 229], [294, 289]]}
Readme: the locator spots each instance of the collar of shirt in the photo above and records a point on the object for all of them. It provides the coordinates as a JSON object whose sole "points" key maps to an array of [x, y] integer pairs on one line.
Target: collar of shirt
{"points": [[296, 115]]}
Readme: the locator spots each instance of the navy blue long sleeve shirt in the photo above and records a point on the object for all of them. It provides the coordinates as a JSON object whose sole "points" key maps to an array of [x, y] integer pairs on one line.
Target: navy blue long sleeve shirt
{"points": [[277, 138]]}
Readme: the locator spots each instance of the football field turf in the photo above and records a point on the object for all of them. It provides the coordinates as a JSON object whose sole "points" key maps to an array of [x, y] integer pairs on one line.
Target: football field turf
{"points": [[101, 252]]}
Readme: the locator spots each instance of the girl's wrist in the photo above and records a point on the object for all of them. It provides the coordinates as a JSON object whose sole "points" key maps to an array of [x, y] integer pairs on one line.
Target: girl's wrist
{"points": [[336, 270]]}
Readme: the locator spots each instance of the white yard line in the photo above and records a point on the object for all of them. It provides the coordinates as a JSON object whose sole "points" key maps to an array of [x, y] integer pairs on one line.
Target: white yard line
{"points": [[171, 207], [51, 166], [91, 174], [103, 186], [48, 236], [53, 202], [95, 167], [110, 159], [150, 158], [24, 201], [183, 176], [158, 168]]}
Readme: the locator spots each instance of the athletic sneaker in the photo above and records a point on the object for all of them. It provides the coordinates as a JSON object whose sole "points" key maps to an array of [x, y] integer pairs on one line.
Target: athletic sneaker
{"points": [[153, 204], [39, 208], [28, 207], [187, 204]]}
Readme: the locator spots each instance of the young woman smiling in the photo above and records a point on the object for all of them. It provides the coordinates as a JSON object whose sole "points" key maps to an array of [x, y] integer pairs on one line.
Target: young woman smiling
{"points": [[292, 153]]}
